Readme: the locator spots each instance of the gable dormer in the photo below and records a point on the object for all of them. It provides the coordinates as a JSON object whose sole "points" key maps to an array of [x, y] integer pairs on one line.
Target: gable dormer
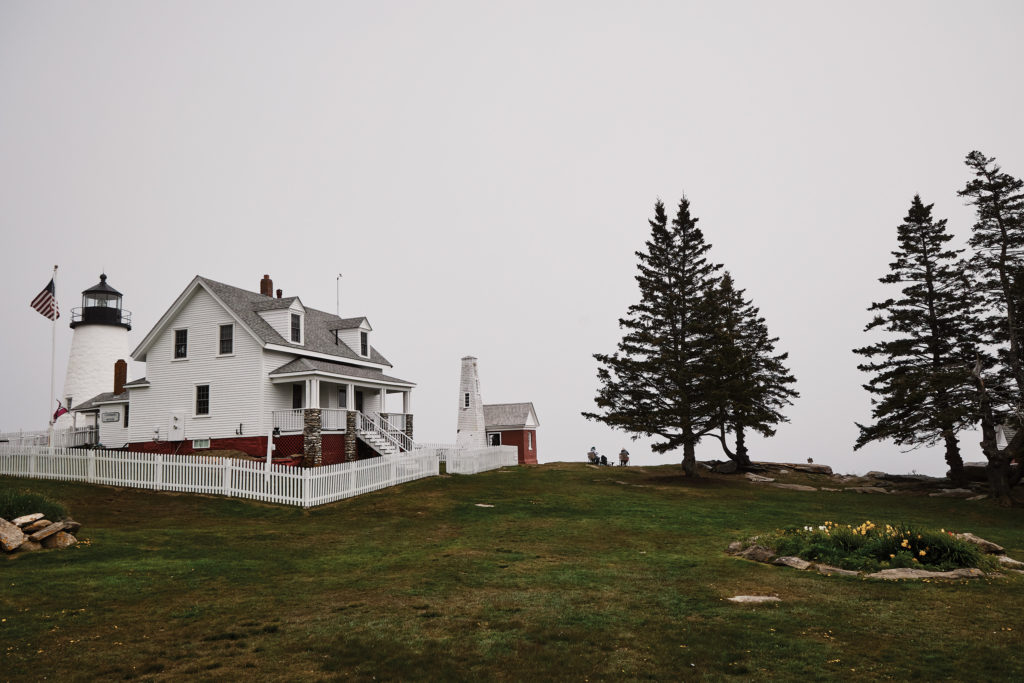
{"points": [[356, 335], [288, 319]]}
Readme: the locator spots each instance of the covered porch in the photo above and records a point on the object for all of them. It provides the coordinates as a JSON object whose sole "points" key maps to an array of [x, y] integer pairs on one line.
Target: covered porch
{"points": [[343, 400]]}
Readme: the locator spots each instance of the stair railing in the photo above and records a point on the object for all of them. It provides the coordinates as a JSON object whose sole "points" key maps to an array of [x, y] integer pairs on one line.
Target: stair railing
{"points": [[375, 424]]}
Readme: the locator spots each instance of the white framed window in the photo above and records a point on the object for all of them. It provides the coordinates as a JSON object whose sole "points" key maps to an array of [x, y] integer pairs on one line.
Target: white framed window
{"points": [[226, 340], [493, 438], [343, 396], [180, 344], [364, 343], [200, 443], [529, 441], [296, 328], [465, 400], [202, 400]]}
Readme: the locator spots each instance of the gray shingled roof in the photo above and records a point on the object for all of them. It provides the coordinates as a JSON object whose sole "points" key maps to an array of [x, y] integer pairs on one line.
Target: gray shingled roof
{"points": [[105, 397], [507, 413], [312, 364], [137, 382], [319, 336]]}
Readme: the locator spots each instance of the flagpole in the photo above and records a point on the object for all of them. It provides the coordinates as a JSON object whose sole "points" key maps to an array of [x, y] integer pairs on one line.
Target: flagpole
{"points": [[53, 349]]}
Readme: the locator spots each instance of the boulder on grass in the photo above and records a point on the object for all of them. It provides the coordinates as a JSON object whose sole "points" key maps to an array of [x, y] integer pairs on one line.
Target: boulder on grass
{"points": [[727, 467], [792, 561], [61, 539], [27, 519], [71, 526], [28, 546], [11, 536], [757, 553], [829, 570], [986, 546], [48, 531], [35, 526]]}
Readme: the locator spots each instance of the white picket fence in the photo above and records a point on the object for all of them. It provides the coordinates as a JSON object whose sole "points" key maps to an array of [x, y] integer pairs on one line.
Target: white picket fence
{"points": [[307, 487], [283, 484], [473, 461]]}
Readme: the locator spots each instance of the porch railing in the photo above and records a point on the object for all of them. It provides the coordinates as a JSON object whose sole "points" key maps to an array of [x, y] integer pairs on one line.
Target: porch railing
{"points": [[376, 424], [334, 419], [289, 420]]}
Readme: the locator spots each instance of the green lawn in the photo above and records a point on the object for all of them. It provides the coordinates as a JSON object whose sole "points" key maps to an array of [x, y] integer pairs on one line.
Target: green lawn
{"points": [[575, 573]]}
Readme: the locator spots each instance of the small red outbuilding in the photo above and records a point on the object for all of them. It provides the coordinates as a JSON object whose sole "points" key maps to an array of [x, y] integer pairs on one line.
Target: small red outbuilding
{"points": [[513, 424]]}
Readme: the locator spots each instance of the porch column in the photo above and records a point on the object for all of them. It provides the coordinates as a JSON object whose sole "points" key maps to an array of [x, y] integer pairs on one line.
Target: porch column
{"points": [[312, 439], [313, 393], [383, 398], [350, 396], [406, 402]]}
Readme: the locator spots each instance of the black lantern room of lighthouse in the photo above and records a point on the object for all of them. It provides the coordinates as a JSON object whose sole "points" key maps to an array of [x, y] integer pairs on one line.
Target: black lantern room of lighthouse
{"points": [[101, 305]]}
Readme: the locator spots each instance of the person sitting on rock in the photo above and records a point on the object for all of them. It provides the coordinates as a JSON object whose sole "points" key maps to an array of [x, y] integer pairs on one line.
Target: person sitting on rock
{"points": [[592, 455], [623, 457]]}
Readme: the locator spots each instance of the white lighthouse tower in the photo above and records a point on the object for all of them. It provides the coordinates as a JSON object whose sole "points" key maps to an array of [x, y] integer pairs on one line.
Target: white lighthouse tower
{"points": [[472, 430], [100, 339]]}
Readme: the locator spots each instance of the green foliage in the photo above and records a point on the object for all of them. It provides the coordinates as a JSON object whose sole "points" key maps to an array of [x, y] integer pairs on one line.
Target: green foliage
{"points": [[17, 503], [920, 385], [868, 547], [696, 358]]}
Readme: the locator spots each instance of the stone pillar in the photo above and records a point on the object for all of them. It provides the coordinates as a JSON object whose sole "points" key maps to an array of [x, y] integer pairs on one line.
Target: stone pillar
{"points": [[351, 445], [471, 432], [408, 427], [312, 439]]}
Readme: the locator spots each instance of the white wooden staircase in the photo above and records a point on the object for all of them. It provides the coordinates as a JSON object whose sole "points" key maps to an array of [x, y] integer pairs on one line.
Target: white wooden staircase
{"points": [[376, 433]]}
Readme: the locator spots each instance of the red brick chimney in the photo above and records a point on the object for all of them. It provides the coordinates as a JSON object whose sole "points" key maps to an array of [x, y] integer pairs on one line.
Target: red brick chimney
{"points": [[267, 286], [120, 376], [279, 293]]}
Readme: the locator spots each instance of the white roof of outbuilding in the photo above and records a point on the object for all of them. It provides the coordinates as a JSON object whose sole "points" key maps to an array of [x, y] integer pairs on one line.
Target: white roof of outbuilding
{"points": [[510, 415]]}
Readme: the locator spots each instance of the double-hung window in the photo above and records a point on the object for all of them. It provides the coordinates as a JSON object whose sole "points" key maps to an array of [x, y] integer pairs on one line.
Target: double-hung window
{"points": [[181, 343], [296, 328], [202, 399], [364, 344], [227, 339]]}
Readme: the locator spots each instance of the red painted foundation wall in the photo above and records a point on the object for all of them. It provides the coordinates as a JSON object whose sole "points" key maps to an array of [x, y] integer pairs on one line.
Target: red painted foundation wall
{"points": [[517, 438]]}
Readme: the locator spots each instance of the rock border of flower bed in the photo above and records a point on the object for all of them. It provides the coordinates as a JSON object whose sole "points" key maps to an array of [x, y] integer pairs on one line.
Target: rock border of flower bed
{"points": [[752, 550]]}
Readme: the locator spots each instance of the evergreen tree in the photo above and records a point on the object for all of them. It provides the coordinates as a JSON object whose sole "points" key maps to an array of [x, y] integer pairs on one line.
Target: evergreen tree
{"points": [[660, 381], [754, 381], [998, 264], [920, 387]]}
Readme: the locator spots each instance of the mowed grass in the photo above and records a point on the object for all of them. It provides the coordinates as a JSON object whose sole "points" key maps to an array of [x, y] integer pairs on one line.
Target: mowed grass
{"points": [[576, 573]]}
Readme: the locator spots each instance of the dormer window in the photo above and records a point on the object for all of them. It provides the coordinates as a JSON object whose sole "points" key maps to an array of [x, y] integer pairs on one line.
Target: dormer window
{"points": [[364, 344], [296, 328]]}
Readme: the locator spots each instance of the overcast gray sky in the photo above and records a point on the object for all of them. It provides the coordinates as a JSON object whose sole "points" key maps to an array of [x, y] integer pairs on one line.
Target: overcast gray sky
{"points": [[482, 173]]}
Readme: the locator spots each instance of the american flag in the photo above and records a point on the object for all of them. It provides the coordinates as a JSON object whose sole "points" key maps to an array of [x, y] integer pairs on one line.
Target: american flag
{"points": [[46, 303]]}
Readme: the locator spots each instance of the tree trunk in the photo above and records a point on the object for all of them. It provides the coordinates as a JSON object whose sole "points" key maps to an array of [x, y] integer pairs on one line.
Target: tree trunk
{"points": [[953, 459], [998, 471], [689, 459], [998, 468], [742, 459]]}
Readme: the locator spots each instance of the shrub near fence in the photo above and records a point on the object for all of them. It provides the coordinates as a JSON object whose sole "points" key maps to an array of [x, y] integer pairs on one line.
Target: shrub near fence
{"points": [[218, 476], [472, 461]]}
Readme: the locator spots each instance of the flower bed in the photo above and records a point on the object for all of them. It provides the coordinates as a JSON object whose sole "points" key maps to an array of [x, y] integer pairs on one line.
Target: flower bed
{"points": [[875, 547]]}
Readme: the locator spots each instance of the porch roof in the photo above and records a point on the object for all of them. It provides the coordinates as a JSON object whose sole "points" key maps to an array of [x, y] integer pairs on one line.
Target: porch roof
{"points": [[96, 401], [304, 366]]}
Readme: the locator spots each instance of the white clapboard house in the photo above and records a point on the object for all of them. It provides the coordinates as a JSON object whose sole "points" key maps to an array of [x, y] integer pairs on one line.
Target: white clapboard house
{"points": [[228, 368]]}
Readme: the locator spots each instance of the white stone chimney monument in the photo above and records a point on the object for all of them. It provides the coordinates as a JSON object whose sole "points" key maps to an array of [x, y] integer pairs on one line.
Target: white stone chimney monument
{"points": [[471, 433]]}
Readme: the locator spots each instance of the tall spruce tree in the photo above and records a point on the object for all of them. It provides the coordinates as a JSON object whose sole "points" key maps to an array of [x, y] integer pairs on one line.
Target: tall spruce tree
{"points": [[998, 264], [754, 380], [920, 385], [660, 381]]}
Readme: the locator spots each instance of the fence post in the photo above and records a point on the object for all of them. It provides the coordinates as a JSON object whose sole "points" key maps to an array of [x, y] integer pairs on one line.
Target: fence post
{"points": [[227, 477], [305, 487], [90, 466], [158, 484], [32, 465]]}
